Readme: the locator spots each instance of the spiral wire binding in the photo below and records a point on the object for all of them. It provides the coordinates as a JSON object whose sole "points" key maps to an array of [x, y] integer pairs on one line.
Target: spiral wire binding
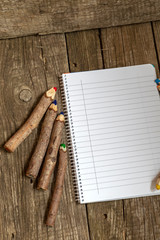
{"points": [[71, 145]]}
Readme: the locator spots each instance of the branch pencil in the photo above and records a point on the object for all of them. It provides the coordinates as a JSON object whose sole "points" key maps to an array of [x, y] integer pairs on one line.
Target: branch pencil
{"points": [[40, 150], [32, 121], [50, 159], [53, 209]]}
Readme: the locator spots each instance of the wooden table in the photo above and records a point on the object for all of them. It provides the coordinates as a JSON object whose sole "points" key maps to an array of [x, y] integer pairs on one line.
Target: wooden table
{"points": [[30, 65]]}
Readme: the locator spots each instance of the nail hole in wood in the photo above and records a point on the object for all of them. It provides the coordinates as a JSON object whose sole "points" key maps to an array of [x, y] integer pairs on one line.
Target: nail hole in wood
{"points": [[31, 181], [75, 64], [105, 216], [12, 235]]}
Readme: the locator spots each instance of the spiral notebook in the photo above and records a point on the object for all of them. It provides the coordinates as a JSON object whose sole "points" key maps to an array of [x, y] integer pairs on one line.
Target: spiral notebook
{"points": [[113, 131]]}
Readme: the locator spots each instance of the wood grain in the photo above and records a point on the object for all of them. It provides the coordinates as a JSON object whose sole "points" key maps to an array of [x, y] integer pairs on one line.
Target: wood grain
{"points": [[21, 18], [156, 33], [29, 66], [105, 219], [131, 45]]}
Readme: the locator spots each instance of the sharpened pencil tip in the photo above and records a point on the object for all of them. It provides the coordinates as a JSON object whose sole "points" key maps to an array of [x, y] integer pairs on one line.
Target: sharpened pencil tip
{"points": [[55, 89], [54, 102], [62, 113], [157, 81], [63, 147]]}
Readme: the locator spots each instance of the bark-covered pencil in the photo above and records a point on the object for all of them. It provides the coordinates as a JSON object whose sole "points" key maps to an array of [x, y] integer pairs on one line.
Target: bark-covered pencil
{"points": [[32, 122], [50, 159], [57, 193], [40, 150]]}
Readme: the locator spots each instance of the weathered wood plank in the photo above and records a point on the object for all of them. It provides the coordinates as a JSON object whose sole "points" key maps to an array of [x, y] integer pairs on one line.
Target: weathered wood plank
{"points": [[156, 33], [71, 219], [21, 18], [105, 219], [28, 67], [130, 45]]}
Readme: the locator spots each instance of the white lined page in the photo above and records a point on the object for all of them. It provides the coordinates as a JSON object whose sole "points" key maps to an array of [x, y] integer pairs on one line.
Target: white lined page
{"points": [[114, 117]]}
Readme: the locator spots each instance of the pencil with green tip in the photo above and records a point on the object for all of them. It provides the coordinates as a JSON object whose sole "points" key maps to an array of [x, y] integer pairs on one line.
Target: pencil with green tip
{"points": [[51, 155], [57, 193], [40, 150]]}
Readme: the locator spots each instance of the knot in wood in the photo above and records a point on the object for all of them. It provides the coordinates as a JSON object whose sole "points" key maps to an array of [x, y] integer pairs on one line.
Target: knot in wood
{"points": [[25, 95]]}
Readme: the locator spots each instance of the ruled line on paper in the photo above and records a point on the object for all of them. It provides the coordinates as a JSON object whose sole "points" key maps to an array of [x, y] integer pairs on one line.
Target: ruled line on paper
{"points": [[122, 131], [120, 110], [127, 87], [112, 101], [113, 170], [116, 137], [121, 95], [115, 93], [131, 106], [118, 125], [126, 141], [134, 145], [118, 120], [89, 135], [117, 105], [140, 77], [97, 134], [112, 116], [123, 115], [90, 184], [118, 153], [115, 159], [116, 164], [134, 173], [123, 185]]}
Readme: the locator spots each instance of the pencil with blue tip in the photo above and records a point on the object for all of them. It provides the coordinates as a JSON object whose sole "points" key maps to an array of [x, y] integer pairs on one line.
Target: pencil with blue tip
{"points": [[51, 155], [40, 150]]}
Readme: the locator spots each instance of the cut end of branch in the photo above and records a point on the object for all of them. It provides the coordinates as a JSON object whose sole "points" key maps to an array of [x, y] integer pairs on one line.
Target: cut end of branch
{"points": [[8, 149], [40, 187], [49, 224], [30, 175]]}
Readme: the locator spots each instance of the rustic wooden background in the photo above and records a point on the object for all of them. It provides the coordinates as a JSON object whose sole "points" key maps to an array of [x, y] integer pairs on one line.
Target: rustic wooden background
{"points": [[28, 66], [22, 18]]}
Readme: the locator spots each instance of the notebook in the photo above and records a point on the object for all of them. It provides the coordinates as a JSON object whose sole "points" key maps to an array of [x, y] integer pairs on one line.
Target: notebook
{"points": [[113, 131]]}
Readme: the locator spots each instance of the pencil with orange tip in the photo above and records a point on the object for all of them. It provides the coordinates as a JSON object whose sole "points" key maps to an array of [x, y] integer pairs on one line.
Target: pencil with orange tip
{"points": [[32, 122]]}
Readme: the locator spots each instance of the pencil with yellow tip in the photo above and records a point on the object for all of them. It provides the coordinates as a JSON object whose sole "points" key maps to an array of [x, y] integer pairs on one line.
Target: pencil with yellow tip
{"points": [[158, 183], [51, 155]]}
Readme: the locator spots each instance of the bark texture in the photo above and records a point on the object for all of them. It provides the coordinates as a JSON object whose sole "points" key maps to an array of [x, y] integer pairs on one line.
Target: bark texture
{"points": [[40, 150], [51, 156], [57, 193], [31, 123]]}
